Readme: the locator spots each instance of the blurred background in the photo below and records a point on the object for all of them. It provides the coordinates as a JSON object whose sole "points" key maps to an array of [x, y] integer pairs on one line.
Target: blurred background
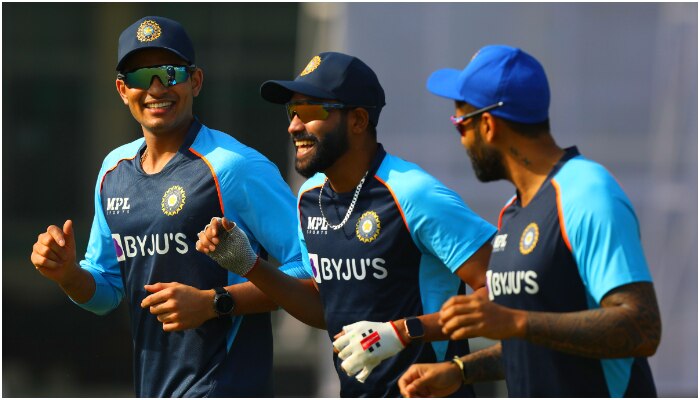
{"points": [[624, 82]]}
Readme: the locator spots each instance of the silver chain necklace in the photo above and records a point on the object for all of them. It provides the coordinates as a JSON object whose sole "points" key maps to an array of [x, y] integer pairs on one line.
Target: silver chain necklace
{"points": [[352, 204]]}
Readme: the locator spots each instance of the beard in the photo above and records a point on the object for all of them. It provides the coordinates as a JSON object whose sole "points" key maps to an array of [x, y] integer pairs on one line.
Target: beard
{"points": [[327, 150], [486, 161]]}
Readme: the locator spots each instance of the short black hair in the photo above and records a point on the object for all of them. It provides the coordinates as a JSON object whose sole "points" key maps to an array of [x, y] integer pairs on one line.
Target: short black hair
{"points": [[527, 130]]}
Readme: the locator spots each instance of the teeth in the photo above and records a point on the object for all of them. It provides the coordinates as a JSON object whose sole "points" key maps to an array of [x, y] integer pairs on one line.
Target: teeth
{"points": [[304, 143], [159, 105]]}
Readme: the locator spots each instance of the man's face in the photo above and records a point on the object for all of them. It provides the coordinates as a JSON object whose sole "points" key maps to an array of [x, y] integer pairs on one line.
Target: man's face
{"points": [[319, 143], [159, 109], [487, 161]]}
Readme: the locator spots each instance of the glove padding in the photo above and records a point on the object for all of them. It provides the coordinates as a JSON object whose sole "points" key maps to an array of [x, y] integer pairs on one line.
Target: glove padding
{"points": [[233, 252], [365, 344]]}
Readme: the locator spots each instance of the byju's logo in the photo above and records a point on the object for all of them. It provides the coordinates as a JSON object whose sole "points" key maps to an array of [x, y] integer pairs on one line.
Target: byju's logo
{"points": [[345, 269], [117, 205], [149, 245]]}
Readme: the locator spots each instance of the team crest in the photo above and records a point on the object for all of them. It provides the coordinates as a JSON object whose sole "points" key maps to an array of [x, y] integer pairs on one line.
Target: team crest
{"points": [[367, 227], [148, 31], [173, 200], [528, 240], [311, 66]]}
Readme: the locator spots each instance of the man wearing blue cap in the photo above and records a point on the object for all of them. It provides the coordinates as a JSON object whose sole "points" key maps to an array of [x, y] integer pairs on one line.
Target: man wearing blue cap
{"points": [[386, 243], [151, 198], [570, 296]]}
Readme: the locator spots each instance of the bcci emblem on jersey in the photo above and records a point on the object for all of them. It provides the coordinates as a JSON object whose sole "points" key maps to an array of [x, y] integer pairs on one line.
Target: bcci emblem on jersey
{"points": [[528, 240], [173, 200], [367, 227]]}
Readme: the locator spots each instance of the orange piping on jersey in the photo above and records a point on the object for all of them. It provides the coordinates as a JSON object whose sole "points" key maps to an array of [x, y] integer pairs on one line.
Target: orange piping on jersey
{"points": [[111, 169], [398, 205], [299, 201], [503, 211], [560, 211], [216, 179]]}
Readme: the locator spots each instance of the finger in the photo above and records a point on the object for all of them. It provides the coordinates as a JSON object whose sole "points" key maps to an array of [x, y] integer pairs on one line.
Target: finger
{"points": [[352, 364], [340, 343], [339, 334], [466, 332], [46, 252], [362, 376], [68, 234], [172, 326], [228, 224], [409, 376], [57, 234], [48, 240], [40, 262], [212, 228], [346, 352]]}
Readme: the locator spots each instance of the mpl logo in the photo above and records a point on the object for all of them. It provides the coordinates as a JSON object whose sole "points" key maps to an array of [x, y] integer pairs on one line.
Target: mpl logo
{"points": [[118, 205], [499, 242], [317, 226]]}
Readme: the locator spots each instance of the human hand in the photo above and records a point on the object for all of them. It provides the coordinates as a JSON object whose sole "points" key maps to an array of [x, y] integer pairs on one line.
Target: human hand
{"points": [[178, 306], [468, 316], [430, 380], [364, 345], [228, 245], [53, 254]]}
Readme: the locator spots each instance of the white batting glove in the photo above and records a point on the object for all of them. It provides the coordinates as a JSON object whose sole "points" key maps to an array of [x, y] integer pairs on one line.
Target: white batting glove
{"points": [[234, 252], [365, 344]]}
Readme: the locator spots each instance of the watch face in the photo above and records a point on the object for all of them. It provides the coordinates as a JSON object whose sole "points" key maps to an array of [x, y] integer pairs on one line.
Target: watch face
{"points": [[414, 326], [224, 304]]}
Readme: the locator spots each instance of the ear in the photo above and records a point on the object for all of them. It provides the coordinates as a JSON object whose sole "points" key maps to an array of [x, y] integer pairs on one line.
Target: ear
{"points": [[358, 121], [197, 78], [121, 89], [488, 128]]}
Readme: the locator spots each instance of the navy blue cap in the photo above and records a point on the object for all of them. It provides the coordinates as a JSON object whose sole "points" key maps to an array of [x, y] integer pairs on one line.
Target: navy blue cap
{"points": [[498, 73], [155, 33], [332, 76]]}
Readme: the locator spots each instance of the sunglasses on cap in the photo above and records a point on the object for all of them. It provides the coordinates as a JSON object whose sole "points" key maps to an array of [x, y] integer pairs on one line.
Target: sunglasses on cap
{"points": [[308, 111], [169, 75], [457, 121]]}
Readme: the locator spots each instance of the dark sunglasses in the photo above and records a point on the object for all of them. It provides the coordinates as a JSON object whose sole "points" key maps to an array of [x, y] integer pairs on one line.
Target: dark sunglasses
{"points": [[169, 75], [308, 111], [457, 121]]}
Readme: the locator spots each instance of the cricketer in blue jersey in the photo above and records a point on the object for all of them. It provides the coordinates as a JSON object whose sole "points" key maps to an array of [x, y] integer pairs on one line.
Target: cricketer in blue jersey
{"points": [[570, 294], [151, 198], [386, 243]]}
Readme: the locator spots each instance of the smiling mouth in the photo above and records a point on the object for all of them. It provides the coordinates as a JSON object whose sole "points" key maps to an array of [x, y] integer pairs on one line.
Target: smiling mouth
{"points": [[303, 146], [162, 104]]}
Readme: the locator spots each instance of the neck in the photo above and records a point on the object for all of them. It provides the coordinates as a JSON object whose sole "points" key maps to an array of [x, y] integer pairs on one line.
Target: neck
{"points": [[528, 163], [160, 148], [345, 174]]}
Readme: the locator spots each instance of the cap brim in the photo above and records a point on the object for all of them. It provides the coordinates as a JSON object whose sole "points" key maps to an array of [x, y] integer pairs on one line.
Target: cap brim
{"points": [[281, 92], [445, 83]]}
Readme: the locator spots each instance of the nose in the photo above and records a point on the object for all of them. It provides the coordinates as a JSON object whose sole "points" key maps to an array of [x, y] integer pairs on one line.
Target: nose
{"points": [[157, 86], [296, 126]]}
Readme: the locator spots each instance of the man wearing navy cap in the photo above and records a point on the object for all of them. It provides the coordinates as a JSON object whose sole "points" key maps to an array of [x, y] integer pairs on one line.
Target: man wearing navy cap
{"points": [[570, 296], [151, 197], [386, 243]]}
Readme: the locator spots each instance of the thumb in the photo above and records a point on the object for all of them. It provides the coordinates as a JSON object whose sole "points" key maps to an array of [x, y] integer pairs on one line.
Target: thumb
{"points": [[68, 233], [227, 223]]}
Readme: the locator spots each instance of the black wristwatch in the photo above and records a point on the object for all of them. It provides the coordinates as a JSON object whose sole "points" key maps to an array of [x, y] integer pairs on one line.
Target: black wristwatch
{"points": [[223, 302], [414, 328]]}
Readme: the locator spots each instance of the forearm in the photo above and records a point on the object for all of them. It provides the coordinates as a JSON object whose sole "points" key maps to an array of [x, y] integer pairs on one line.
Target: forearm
{"points": [[627, 325], [484, 365], [298, 297], [80, 286]]}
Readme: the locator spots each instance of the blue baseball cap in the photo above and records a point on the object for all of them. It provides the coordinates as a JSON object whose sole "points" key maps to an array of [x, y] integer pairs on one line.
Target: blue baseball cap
{"points": [[498, 74], [155, 33], [332, 76]]}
